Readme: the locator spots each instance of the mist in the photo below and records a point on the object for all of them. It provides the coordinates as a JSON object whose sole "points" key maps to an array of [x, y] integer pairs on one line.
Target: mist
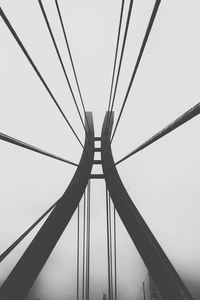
{"points": [[162, 180]]}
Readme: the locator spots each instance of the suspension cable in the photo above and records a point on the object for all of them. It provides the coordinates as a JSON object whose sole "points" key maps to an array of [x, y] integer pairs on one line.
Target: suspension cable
{"points": [[149, 27], [19, 143], [110, 234], [122, 51], [12, 247], [109, 246], [70, 56], [88, 245], [13, 32], [143, 289], [188, 115], [115, 251], [116, 52], [78, 250], [60, 59], [84, 239]]}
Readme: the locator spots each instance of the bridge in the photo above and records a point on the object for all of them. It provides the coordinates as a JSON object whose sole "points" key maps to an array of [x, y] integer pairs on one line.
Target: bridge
{"points": [[162, 280]]}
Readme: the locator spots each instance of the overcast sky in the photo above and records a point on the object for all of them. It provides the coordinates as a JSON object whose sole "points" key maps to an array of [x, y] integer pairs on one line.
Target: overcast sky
{"points": [[163, 180]]}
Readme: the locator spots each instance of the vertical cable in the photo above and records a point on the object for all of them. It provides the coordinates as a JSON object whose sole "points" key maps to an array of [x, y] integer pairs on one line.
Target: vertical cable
{"points": [[108, 246], [78, 234], [115, 251], [83, 275], [110, 250], [86, 249], [143, 287], [89, 200], [88, 244]]}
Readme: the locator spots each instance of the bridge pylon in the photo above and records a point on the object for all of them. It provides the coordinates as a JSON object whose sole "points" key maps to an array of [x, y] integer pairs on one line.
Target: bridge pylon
{"points": [[22, 277]]}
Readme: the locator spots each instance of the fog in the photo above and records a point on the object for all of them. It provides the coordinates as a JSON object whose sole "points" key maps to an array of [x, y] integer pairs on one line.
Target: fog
{"points": [[162, 180]]}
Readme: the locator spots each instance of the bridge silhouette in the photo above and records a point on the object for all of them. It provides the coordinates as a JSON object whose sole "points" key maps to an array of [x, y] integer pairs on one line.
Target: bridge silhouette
{"points": [[20, 280]]}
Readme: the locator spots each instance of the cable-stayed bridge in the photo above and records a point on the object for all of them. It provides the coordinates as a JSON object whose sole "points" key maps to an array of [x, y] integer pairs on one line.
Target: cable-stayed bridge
{"points": [[161, 271]]}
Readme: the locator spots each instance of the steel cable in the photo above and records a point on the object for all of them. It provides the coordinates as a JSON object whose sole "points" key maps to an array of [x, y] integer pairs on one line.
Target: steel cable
{"points": [[115, 251], [8, 24], [12, 247], [60, 59], [116, 52], [108, 246], [122, 51], [188, 115], [70, 56], [84, 238], [78, 251], [19, 143], [149, 27]]}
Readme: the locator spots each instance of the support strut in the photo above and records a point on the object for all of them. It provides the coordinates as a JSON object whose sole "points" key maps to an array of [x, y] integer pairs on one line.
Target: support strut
{"points": [[22, 277], [162, 271]]}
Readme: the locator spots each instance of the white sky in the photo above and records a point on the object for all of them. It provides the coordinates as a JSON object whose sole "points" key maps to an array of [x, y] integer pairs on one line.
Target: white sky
{"points": [[163, 180]]}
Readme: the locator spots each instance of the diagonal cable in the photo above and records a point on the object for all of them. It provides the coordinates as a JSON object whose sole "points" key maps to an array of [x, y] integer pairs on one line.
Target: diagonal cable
{"points": [[19, 143], [12, 247], [8, 24], [151, 21], [70, 55], [60, 59], [116, 52], [122, 51], [188, 115]]}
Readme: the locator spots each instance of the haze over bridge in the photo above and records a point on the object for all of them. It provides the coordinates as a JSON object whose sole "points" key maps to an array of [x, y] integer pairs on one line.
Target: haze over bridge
{"points": [[169, 282]]}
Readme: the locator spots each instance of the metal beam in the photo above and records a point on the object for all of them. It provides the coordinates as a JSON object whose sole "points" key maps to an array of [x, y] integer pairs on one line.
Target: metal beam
{"points": [[97, 176], [97, 162], [97, 149], [21, 278], [164, 274]]}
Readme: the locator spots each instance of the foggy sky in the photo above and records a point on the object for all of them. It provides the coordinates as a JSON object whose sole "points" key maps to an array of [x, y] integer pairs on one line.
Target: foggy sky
{"points": [[162, 180]]}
